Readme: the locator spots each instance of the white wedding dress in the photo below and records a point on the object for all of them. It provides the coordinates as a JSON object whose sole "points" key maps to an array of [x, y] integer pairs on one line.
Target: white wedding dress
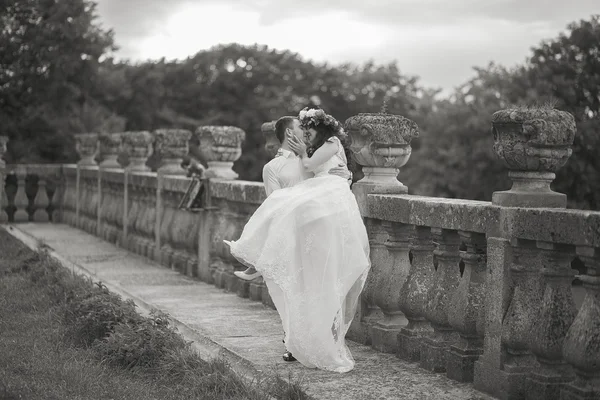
{"points": [[311, 246]]}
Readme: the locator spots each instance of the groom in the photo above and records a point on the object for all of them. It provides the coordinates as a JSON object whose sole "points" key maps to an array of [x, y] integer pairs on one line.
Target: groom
{"points": [[286, 170]]}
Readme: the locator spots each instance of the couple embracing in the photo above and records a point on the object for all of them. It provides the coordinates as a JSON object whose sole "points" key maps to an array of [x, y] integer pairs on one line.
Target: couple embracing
{"points": [[308, 240]]}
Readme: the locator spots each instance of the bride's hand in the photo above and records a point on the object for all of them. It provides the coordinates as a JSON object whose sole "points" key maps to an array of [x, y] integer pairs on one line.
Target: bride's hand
{"points": [[297, 146]]}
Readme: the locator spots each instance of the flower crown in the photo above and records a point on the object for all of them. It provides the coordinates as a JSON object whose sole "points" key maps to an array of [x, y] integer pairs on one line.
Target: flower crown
{"points": [[315, 117]]}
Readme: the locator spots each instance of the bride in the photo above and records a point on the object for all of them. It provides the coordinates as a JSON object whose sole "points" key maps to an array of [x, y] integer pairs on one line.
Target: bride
{"points": [[311, 246]]}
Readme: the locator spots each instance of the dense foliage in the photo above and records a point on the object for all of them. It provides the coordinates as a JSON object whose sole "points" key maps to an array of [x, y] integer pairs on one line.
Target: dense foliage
{"points": [[58, 77]]}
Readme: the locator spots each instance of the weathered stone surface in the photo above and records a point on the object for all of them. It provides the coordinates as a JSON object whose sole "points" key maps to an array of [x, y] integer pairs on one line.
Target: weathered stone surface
{"points": [[110, 146], [575, 227], [534, 143], [172, 145], [3, 150], [220, 146], [238, 191], [381, 145], [86, 145], [454, 214], [138, 146]]}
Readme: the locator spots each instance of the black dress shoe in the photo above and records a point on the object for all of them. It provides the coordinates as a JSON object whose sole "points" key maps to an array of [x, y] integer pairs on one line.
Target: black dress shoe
{"points": [[287, 356]]}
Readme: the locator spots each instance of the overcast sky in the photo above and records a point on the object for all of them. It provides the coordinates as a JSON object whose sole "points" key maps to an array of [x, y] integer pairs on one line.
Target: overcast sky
{"points": [[438, 40]]}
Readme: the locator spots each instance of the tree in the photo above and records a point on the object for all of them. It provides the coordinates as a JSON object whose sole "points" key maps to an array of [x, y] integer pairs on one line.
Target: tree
{"points": [[49, 56]]}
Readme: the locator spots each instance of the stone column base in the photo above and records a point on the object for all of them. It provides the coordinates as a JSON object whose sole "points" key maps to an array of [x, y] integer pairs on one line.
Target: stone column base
{"points": [[266, 298], [543, 385], [460, 363], [243, 288], [255, 289], [434, 352], [384, 336], [571, 391], [409, 340]]}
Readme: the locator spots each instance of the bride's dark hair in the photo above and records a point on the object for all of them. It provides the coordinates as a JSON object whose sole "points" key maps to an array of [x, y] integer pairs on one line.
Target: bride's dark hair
{"points": [[324, 132]]}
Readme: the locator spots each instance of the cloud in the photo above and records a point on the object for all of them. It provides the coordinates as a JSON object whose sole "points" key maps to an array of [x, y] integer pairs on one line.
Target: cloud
{"points": [[439, 40]]}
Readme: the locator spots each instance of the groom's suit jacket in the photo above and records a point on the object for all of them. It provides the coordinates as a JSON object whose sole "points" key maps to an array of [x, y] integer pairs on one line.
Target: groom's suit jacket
{"points": [[283, 171]]}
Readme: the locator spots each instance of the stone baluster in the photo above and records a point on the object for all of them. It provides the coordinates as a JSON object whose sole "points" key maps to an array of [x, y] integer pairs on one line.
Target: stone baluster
{"points": [[138, 146], [132, 216], [173, 146], [110, 146], [434, 347], [87, 146], [518, 322], [465, 311], [41, 201], [3, 198], [387, 293], [149, 221], [169, 198], [581, 346], [272, 143], [551, 324], [368, 312], [220, 146], [21, 201], [413, 295]]}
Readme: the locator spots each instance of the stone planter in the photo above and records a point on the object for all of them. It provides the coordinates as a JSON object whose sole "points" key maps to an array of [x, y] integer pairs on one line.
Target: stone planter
{"points": [[533, 144], [173, 146], [272, 144], [86, 145], [220, 146], [110, 145], [138, 146]]}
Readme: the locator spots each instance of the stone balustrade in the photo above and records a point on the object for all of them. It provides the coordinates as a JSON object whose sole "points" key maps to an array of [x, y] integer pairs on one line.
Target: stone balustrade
{"points": [[480, 291]]}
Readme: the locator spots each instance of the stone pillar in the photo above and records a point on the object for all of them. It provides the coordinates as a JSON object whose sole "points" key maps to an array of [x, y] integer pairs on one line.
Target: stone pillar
{"points": [[272, 143], [465, 312], [173, 146], [110, 146], [21, 201], [434, 347], [413, 295], [138, 146], [220, 146], [534, 144], [41, 201], [3, 198], [519, 321], [392, 276], [381, 145], [554, 318], [581, 346], [86, 145]]}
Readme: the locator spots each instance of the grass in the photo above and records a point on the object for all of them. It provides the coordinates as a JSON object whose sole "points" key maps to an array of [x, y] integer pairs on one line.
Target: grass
{"points": [[63, 337]]}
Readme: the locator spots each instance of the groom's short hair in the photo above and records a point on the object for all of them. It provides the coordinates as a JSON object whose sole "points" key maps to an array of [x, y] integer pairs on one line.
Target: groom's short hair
{"points": [[281, 125]]}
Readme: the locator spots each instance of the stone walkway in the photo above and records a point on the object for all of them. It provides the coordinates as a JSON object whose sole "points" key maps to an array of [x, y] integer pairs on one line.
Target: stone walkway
{"points": [[222, 324]]}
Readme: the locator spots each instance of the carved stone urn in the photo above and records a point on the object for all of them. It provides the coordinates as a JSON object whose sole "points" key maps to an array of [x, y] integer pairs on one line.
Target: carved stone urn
{"points": [[220, 146], [272, 144], [381, 145], [110, 145], [138, 146], [86, 145], [533, 143], [173, 146]]}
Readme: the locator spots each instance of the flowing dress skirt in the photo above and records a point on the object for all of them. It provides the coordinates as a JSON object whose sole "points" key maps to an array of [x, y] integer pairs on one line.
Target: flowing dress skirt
{"points": [[311, 246]]}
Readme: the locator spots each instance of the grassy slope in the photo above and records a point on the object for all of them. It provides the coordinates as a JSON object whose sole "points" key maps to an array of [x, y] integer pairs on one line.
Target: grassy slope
{"points": [[36, 362]]}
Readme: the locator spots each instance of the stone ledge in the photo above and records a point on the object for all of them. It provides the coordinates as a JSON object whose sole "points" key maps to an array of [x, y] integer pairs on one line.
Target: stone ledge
{"points": [[112, 175], [573, 227], [89, 172], [143, 179], [239, 191], [175, 183], [456, 214]]}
